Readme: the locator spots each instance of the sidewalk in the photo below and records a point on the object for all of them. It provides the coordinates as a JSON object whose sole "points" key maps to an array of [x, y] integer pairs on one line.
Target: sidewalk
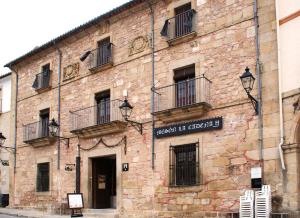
{"points": [[29, 213]]}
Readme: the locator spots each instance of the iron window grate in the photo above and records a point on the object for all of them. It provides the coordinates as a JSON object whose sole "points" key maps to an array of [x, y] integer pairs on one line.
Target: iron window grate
{"points": [[184, 165]]}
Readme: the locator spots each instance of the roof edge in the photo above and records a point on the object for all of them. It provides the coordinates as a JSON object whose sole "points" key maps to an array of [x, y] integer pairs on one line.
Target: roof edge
{"points": [[77, 29], [5, 75]]}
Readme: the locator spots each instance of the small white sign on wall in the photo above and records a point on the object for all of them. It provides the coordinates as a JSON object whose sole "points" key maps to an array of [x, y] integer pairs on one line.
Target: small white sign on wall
{"points": [[256, 173], [201, 2]]}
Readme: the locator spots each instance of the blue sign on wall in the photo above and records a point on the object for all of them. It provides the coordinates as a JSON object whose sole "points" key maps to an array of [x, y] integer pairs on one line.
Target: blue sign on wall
{"points": [[189, 127]]}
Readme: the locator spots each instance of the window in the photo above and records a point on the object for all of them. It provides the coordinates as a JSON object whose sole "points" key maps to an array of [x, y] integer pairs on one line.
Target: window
{"points": [[181, 24], [183, 20], [185, 90], [103, 107], [42, 181], [42, 80], [184, 165], [104, 52], [44, 122]]}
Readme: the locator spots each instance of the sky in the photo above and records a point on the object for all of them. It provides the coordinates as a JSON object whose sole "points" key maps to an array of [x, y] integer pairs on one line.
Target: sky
{"points": [[25, 24]]}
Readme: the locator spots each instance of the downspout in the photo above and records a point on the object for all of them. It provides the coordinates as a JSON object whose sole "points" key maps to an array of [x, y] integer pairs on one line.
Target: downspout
{"points": [[280, 92], [15, 131], [58, 106], [58, 121], [152, 86], [258, 73]]}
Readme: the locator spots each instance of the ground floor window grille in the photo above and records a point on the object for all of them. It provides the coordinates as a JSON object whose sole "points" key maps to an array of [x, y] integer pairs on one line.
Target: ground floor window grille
{"points": [[42, 182], [184, 165]]}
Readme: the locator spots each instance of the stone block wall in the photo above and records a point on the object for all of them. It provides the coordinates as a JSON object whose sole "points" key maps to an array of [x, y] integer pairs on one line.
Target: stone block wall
{"points": [[223, 47]]}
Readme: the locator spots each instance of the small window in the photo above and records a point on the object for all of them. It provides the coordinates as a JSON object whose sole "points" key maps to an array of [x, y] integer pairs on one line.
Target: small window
{"points": [[44, 123], [103, 107], [42, 80], [42, 183], [184, 165], [104, 52], [185, 87]]}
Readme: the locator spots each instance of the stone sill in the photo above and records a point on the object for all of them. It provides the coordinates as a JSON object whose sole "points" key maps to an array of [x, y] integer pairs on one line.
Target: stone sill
{"points": [[186, 188], [102, 129], [101, 67], [183, 113], [181, 39], [40, 141], [41, 90]]}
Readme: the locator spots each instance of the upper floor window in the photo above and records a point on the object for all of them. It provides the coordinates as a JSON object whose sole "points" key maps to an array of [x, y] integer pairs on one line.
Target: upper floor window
{"points": [[42, 181], [184, 165], [185, 88], [42, 80], [181, 24], [44, 123], [103, 107]]}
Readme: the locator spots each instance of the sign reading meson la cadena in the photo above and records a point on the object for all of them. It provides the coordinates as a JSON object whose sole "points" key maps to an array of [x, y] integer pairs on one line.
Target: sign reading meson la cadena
{"points": [[189, 127]]}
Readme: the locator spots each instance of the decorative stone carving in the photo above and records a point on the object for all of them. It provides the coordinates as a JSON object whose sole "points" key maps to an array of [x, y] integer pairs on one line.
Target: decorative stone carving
{"points": [[139, 44], [71, 71]]}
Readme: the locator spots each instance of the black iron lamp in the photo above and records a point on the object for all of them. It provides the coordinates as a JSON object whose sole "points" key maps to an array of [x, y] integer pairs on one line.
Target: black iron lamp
{"points": [[247, 80], [5, 163], [53, 129], [2, 139], [126, 110]]}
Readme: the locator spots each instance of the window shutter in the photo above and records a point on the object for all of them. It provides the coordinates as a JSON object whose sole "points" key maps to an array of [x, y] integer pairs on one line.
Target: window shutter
{"points": [[164, 31], [35, 84]]}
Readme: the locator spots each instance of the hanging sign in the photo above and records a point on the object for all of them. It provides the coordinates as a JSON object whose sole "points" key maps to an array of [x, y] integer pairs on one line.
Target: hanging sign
{"points": [[189, 127]]}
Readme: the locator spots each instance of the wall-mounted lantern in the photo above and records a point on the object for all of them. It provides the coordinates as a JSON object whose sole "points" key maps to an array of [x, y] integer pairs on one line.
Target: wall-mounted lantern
{"points": [[247, 80], [2, 139], [126, 110], [53, 129]]}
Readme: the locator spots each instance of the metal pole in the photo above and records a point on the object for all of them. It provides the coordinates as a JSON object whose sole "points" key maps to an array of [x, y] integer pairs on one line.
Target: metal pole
{"points": [[153, 80], [78, 170]]}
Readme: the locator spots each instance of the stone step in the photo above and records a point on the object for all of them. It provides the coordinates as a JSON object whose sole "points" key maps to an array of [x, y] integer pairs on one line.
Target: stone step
{"points": [[101, 213]]}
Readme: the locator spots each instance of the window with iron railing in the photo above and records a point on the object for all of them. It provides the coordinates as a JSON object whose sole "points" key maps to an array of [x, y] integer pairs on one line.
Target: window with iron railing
{"points": [[103, 107], [101, 56], [181, 24], [185, 89], [184, 165], [42, 80]]}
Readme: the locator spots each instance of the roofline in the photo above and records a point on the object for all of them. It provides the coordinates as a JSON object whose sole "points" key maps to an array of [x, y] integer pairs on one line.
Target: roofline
{"points": [[75, 30], [5, 75]]}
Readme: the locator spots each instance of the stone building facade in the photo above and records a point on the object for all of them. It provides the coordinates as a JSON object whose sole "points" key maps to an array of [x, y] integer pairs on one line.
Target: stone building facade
{"points": [[200, 50], [5, 116]]}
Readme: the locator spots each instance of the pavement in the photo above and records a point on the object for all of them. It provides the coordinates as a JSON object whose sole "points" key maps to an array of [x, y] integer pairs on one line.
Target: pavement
{"points": [[26, 213]]}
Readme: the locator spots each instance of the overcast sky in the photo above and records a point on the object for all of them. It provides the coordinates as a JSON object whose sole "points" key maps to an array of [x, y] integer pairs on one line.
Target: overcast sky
{"points": [[25, 24]]}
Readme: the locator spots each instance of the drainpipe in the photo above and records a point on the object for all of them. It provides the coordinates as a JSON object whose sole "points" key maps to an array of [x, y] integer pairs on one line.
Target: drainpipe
{"points": [[58, 106], [15, 130], [258, 73], [280, 92], [153, 81]]}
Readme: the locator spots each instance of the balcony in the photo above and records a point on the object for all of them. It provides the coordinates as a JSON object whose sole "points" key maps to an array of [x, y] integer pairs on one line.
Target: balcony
{"points": [[37, 134], [101, 119], [42, 81], [180, 28], [100, 59], [183, 100]]}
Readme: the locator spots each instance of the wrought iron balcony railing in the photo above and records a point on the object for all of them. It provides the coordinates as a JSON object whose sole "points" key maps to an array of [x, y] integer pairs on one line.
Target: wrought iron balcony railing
{"points": [[100, 57], [182, 94], [102, 113], [35, 130], [42, 80], [180, 25]]}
